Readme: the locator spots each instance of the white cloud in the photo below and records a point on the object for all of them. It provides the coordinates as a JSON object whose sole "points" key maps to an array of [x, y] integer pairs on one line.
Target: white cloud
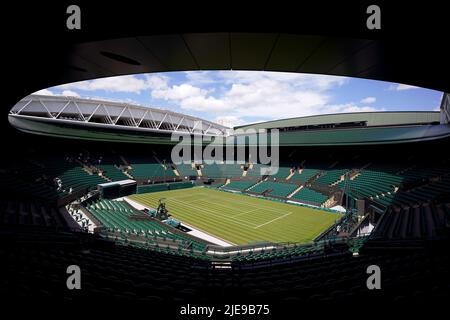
{"points": [[232, 98], [47, 92], [129, 83], [229, 121], [200, 77], [256, 95], [300, 80], [401, 87], [368, 100], [349, 107], [178, 93], [69, 93], [157, 81], [44, 92]]}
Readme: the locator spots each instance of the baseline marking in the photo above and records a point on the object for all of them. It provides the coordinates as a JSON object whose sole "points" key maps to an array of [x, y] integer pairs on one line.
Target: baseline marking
{"points": [[273, 220], [215, 213], [245, 212], [279, 211], [230, 218]]}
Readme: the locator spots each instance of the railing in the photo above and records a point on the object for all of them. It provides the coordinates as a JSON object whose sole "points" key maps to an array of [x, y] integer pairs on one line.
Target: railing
{"points": [[216, 253]]}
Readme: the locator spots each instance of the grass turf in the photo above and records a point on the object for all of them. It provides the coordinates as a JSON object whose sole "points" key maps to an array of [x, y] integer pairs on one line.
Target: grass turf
{"points": [[240, 219]]}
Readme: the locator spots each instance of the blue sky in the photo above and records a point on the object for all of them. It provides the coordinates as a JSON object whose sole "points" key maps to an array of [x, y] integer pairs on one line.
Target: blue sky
{"points": [[239, 97]]}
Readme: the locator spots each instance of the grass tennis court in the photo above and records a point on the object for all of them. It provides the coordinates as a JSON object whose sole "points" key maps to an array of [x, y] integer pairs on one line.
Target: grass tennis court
{"points": [[241, 219]]}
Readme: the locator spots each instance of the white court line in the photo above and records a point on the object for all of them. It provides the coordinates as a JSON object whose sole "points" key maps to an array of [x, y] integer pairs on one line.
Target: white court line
{"points": [[253, 205], [230, 218], [234, 208], [182, 197], [245, 212], [215, 213], [250, 205], [222, 205], [204, 195], [197, 232], [241, 213], [273, 220]]}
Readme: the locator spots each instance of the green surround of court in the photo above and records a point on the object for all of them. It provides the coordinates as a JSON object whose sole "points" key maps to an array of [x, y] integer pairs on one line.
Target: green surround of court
{"points": [[240, 219]]}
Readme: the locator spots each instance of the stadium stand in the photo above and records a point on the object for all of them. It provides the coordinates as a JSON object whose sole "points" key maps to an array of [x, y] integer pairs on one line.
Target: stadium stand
{"points": [[163, 187], [239, 185], [274, 188], [331, 176], [284, 171], [420, 221], [147, 168], [309, 196], [305, 174], [34, 189], [26, 213], [232, 169], [285, 253], [394, 185], [212, 170], [373, 181], [186, 170], [424, 171], [50, 180], [255, 170], [77, 179], [167, 264], [410, 273], [119, 216], [221, 170], [112, 172], [418, 195]]}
